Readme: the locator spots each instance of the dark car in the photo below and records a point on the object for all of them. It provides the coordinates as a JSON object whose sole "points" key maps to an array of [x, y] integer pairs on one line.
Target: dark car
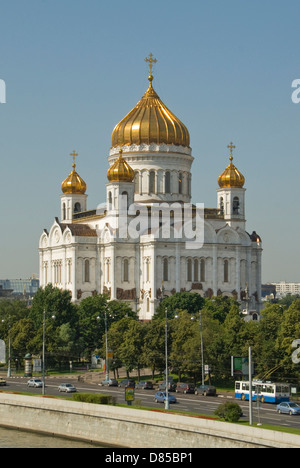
{"points": [[185, 388], [127, 383], [2, 382], [171, 386], [145, 385], [206, 390]]}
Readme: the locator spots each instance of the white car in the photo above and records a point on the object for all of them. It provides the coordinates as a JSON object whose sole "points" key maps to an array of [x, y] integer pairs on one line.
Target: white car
{"points": [[66, 387], [36, 383]]}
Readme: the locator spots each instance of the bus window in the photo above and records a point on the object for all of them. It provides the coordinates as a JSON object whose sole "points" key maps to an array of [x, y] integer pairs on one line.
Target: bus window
{"points": [[237, 385]]}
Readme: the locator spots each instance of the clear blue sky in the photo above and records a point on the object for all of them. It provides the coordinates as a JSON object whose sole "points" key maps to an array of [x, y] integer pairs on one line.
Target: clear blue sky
{"points": [[74, 68]]}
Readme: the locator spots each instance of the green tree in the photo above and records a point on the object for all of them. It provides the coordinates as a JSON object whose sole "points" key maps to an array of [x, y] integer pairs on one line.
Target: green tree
{"points": [[22, 332], [288, 332], [185, 355], [91, 313], [115, 339], [234, 328], [132, 346], [191, 302], [154, 346], [56, 303]]}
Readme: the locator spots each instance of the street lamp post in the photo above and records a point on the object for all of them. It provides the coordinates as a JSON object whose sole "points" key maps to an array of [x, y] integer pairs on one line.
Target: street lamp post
{"points": [[43, 352], [202, 347], [106, 348], [106, 345], [9, 348], [167, 403]]}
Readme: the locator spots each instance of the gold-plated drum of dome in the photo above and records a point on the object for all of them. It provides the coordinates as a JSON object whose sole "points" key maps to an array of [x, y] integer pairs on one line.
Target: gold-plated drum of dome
{"points": [[231, 177], [120, 171], [74, 183], [150, 121]]}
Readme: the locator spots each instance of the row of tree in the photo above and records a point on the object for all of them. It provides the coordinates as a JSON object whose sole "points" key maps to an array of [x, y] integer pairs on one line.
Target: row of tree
{"points": [[74, 332]]}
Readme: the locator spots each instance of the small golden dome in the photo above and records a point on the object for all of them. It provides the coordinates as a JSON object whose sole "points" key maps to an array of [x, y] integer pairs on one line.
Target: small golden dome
{"points": [[120, 171], [150, 121], [231, 177], [74, 183]]}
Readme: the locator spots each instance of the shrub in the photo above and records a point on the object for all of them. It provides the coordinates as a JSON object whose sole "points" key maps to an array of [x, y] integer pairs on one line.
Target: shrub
{"points": [[95, 398], [230, 412]]}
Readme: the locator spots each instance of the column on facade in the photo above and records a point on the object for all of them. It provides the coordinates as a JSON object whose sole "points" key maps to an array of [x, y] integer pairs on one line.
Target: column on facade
{"points": [[113, 272], [73, 279], [177, 262], [248, 271], [215, 270], [238, 271]]}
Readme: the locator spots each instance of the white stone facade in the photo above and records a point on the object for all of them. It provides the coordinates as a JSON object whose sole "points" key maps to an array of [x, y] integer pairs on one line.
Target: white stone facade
{"points": [[87, 255]]}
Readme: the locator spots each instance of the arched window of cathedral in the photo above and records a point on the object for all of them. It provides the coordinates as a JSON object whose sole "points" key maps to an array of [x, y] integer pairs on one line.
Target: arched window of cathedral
{"points": [[221, 206], [126, 270], [125, 200], [236, 206], [152, 182], [196, 271], [168, 182], [64, 212], [189, 269], [77, 208], [189, 185], [180, 183], [147, 270], [137, 183], [87, 271], [226, 271], [202, 270], [109, 200], [166, 270]]}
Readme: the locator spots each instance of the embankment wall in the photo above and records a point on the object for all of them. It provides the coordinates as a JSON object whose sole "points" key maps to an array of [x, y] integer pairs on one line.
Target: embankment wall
{"points": [[127, 427]]}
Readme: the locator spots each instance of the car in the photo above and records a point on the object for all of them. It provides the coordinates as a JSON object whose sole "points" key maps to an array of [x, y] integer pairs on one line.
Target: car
{"points": [[172, 386], [145, 385], [127, 383], [67, 388], [2, 383], [185, 388], [206, 390], [160, 397], [288, 408], [109, 383], [35, 383]]}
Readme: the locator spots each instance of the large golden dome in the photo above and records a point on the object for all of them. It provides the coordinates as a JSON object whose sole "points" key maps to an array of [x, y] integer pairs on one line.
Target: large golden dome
{"points": [[120, 171], [231, 177], [150, 121], [74, 183]]}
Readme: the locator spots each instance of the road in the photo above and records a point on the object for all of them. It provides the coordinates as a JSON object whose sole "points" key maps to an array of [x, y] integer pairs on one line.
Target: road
{"points": [[198, 404]]}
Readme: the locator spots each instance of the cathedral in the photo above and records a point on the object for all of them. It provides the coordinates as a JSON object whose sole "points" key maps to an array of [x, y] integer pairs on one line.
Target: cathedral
{"points": [[148, 240]]}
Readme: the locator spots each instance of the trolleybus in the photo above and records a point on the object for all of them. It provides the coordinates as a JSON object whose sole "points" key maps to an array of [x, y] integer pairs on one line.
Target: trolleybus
{"points": [[267, 392]]}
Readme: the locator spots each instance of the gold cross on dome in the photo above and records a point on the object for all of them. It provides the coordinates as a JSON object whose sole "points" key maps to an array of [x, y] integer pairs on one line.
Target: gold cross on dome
{"points": [[231, 146], [74, 155], [150, 60]]}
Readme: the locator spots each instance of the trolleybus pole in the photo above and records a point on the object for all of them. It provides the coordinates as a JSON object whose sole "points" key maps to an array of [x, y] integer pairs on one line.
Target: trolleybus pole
{"points": [[250, 388]]}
